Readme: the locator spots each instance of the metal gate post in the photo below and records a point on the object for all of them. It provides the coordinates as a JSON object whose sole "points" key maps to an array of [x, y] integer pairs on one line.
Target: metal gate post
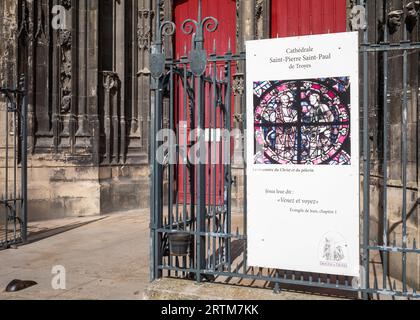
{"points": [[201, 181], [227, 159], [24, 159], [157, 68], [404, 160], [154, 203], [385, 161], [201, 168], [366, 158], [155, 257]]}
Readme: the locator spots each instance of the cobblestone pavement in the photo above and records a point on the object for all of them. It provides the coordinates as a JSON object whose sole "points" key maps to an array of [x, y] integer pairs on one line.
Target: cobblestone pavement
{"points": [[104, 258], [107, 257]]}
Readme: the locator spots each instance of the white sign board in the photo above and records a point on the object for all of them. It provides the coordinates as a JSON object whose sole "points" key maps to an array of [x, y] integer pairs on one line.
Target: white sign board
{"points": [[303, 153]]}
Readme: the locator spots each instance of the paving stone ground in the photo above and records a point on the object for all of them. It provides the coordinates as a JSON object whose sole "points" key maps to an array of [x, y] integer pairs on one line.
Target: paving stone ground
{"points": [[104, 258], [107, 258]]}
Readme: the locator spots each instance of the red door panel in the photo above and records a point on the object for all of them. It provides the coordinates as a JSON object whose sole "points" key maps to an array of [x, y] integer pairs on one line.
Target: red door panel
{"points": [[306, 17], [225, 12]]}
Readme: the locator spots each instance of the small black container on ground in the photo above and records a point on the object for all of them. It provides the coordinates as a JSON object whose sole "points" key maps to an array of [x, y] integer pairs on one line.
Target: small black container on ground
{"points": [[180, 243]]}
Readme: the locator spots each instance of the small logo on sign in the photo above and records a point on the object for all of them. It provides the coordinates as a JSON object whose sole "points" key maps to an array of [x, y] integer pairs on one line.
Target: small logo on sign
{"points": [[333, 250]]}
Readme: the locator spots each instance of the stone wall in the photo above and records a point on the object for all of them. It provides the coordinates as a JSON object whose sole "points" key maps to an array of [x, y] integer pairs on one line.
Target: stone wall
{"points": [[8, 28], [89, 102], [58, 189]]}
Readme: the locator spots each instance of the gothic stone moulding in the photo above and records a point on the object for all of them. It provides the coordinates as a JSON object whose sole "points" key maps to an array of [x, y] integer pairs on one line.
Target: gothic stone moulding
{"points": [[64, 40], [111, 81]]}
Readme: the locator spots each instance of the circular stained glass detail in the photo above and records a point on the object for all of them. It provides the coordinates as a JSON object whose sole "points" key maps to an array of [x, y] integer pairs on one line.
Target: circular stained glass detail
{"points": [[303, 122]]}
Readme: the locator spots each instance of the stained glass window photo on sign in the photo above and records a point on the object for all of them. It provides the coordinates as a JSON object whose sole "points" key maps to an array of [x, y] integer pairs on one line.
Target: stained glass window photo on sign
{"points": [[302, 122]]}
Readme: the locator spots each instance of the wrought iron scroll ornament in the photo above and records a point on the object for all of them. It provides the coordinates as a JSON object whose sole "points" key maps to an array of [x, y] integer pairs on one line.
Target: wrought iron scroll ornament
{"points": [[190, 25], [198, 56], [157, 58]]}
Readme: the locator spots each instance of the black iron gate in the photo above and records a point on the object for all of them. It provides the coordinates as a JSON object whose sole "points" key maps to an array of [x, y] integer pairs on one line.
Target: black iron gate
{"points": [[194, 234], [13, 166]]}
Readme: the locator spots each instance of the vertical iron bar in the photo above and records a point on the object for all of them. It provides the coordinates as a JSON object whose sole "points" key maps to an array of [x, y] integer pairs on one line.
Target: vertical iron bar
{"points": [[192, 179], [171, 149], [228, 168], [366, 157], [6, 183], [277, 289], [170, 165], [155, 252], [24, 160], [15, 167], [245, 145], [220, 182], [208, 169], [214, 160], [176, 148], [176, 110], [185, 147], [201, 180], [385, 155], [198, 42], [158, 182], [210, 209], [404, 163], [153, 271], [154, 211], [160, 168]]}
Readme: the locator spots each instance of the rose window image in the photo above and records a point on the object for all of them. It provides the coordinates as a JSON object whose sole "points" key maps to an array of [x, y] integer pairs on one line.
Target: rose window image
{"points": [[302, 122]]}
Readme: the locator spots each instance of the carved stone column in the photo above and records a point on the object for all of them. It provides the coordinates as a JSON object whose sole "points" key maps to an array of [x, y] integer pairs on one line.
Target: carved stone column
{"points": [[140, 113], [82, 133], [121, 35], [262, 18], [247, 21], [92, 76], [41, 86], [24, 18], [111, 86]]}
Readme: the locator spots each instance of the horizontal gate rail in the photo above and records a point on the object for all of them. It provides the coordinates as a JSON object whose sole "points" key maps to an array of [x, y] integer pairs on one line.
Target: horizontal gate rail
{"points": [[368, 47]]}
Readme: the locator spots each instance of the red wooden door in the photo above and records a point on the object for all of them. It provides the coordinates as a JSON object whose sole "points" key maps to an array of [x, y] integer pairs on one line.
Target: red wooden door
{"points": [[225, 12], [306, 17]]}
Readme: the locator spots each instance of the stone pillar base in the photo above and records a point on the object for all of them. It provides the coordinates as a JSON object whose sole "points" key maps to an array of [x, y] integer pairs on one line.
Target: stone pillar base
{"points": [[58, 190]]}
